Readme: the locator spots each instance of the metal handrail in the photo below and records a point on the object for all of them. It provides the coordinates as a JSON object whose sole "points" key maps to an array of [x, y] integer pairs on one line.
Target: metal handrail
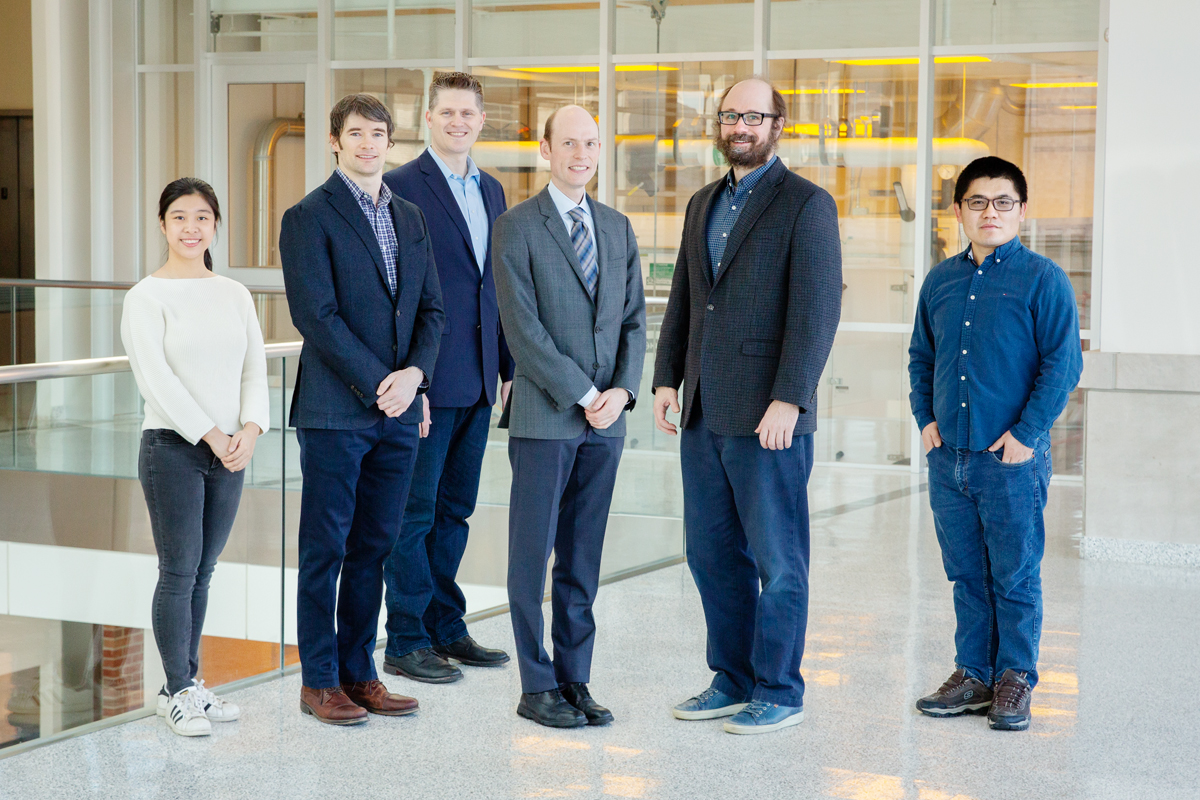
{"points": [[81, 367], [37, 283]]}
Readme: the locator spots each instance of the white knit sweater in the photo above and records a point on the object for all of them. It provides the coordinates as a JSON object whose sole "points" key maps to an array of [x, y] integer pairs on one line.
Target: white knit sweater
{"points": [[197, 355]]}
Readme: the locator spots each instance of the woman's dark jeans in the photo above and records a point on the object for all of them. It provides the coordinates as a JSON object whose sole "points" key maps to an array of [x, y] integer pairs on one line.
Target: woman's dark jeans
{"points": [[193, 500]]}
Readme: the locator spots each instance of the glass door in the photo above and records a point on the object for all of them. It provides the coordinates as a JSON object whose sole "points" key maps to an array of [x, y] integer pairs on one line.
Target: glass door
{"points": [[264, 154]]}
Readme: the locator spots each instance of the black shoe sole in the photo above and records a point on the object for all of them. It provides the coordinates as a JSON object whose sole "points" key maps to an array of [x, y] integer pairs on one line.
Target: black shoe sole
{"points": [[391, 669], [471, 663], [305, 709], [605, 720], [574, 723], [1004, 725], [956, 712]]}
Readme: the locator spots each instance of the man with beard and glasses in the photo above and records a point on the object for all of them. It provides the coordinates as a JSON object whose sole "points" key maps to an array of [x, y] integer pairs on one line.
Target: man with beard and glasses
{"points": [[754, 306]]}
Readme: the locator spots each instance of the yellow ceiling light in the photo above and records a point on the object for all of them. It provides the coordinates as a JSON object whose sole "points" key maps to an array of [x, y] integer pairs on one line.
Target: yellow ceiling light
{"points": [[896, 62], [587, 68], [805, 129], [1078, 108], [1057, 85], [822, 91]]}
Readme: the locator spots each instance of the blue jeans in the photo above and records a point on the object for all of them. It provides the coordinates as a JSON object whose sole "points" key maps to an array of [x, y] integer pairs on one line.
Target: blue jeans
{"points": [[988, 516], [355, 486], [193, 501], [424, 604], [745, 510]]}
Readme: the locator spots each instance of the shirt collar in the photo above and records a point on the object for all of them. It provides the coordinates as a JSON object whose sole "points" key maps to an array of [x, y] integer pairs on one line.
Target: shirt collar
{"points": [[1002, 252], [750, 181], [564, 204], [472, 170], [385, 194]]}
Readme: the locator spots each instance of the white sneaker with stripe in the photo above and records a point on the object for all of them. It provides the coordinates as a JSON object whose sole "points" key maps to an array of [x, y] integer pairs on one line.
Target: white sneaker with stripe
{"points": [[184, 713]]}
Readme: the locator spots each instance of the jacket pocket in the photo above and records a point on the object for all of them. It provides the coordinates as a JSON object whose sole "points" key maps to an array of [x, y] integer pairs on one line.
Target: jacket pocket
{"points": [[767, 348]]}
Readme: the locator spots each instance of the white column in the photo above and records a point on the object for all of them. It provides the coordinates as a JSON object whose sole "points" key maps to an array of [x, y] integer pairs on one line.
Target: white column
{"points": [[608, 101]]}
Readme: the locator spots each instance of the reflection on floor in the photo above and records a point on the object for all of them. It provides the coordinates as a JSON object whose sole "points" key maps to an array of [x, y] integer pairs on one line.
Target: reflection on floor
{"points": [[880, 636]]}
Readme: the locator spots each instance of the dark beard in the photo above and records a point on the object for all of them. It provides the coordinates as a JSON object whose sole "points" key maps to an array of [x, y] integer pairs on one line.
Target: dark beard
{"points": [[756, 156]]}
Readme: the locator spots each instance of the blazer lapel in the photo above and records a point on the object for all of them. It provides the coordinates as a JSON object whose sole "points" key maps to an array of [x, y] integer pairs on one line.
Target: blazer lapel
{"points": [[441, 190], [606, 252], [767, 188], [345, 204], [558, 231], [705, 206]]}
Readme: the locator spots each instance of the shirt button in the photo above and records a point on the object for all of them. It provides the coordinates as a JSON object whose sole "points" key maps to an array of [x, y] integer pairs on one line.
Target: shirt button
{"points": [[964, 405], [710, 307], [398, 314], [596, 365], [968, 324], [964, 352], [980, 272], [733, 208], [972, 297], [723, 235]]}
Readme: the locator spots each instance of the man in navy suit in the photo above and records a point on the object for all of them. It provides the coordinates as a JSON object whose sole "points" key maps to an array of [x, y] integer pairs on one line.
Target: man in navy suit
{"points": [[425, 605], [364, 293]]}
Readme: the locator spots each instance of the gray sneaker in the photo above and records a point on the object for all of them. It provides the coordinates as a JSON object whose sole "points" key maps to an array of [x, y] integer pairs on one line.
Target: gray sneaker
{"points": [[960, 694], [1010, 709]]}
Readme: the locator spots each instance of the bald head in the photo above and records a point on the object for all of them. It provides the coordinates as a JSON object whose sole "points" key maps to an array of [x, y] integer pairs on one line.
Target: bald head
{"points": [[753, 94], [569, 115]]}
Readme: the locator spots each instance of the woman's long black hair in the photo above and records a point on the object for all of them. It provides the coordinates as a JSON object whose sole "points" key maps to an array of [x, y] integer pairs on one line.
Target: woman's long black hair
{"points": [[182, 187]]}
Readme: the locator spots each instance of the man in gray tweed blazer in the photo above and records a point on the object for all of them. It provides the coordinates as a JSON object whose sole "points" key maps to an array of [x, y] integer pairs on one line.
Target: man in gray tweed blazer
{"points": [[569, 287], [754, 306]]}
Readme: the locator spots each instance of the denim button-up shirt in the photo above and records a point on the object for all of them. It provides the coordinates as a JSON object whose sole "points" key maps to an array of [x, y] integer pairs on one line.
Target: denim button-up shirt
{"points": [[995, 347]]}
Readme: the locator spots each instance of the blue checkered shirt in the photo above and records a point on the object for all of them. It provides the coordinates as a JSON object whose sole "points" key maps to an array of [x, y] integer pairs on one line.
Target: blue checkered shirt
{"points": [[380, 217], [727, 207]]}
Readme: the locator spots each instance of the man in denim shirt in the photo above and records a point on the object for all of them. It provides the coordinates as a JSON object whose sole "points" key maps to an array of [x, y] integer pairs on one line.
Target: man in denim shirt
{"points": [[995, 354]]}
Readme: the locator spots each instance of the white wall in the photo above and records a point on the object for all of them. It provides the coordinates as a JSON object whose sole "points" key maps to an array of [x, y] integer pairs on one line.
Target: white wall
{"points": [[1150, 277]]}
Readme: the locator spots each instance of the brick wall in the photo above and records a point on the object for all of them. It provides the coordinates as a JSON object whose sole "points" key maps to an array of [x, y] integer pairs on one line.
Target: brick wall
{"points": [[121, 670]]}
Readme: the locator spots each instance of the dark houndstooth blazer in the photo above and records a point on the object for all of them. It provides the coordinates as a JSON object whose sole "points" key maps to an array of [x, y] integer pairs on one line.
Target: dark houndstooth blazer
{"points": [[763, 329]]}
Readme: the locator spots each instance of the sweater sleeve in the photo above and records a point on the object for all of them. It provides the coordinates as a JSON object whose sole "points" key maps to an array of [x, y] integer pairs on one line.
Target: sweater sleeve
{"points": [[142, 332], [255, 395]]}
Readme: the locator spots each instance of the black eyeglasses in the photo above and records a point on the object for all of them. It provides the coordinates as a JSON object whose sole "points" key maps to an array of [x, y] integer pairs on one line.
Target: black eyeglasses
{"points": [[981, 203], [751, 118]]}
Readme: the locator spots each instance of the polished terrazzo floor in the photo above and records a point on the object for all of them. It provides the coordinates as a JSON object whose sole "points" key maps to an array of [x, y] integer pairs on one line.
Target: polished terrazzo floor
{"points": [[1114, 716]]}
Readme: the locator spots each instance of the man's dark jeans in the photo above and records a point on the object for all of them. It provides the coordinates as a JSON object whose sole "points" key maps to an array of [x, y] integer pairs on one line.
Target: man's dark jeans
{"points": [[424, 604], [745, 509], [193, 501], [988, 517]]}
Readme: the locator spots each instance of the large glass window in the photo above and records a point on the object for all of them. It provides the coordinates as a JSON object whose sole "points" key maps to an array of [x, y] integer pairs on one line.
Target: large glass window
{"points": [[252, 26], [389, 29], [684, 26], [506, 29], [962, 22], [828, 24]]}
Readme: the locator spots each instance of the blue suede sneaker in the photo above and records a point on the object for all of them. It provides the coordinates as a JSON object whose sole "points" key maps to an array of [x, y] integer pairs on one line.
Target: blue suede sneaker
{"points": [[763, 717], [709, 704]]}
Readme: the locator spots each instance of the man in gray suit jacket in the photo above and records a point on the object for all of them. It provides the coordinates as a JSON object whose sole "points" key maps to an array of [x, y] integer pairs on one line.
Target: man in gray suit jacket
{"points": [[569, 286]]}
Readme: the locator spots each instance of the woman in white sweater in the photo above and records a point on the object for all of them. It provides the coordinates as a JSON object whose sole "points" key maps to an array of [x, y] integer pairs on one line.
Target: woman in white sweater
{"points": [[197, 354]]}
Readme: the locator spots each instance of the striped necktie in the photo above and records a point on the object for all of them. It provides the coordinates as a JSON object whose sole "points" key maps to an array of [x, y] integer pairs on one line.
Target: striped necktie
{"points": [[585, 249]]}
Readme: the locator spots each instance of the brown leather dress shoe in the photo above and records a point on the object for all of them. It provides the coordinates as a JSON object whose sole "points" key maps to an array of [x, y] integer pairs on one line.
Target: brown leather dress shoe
{"points": [[375, 697], [331, 706]]}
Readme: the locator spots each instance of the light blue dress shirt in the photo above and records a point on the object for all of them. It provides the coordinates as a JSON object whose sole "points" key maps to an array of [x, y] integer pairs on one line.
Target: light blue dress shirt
{"points": [[469, 196]]}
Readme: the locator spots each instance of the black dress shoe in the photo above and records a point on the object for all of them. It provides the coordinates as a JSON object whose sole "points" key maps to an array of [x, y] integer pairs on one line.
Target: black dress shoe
{"points": [[550, 709], [422, 665], [577, 694], [467, 651]]}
